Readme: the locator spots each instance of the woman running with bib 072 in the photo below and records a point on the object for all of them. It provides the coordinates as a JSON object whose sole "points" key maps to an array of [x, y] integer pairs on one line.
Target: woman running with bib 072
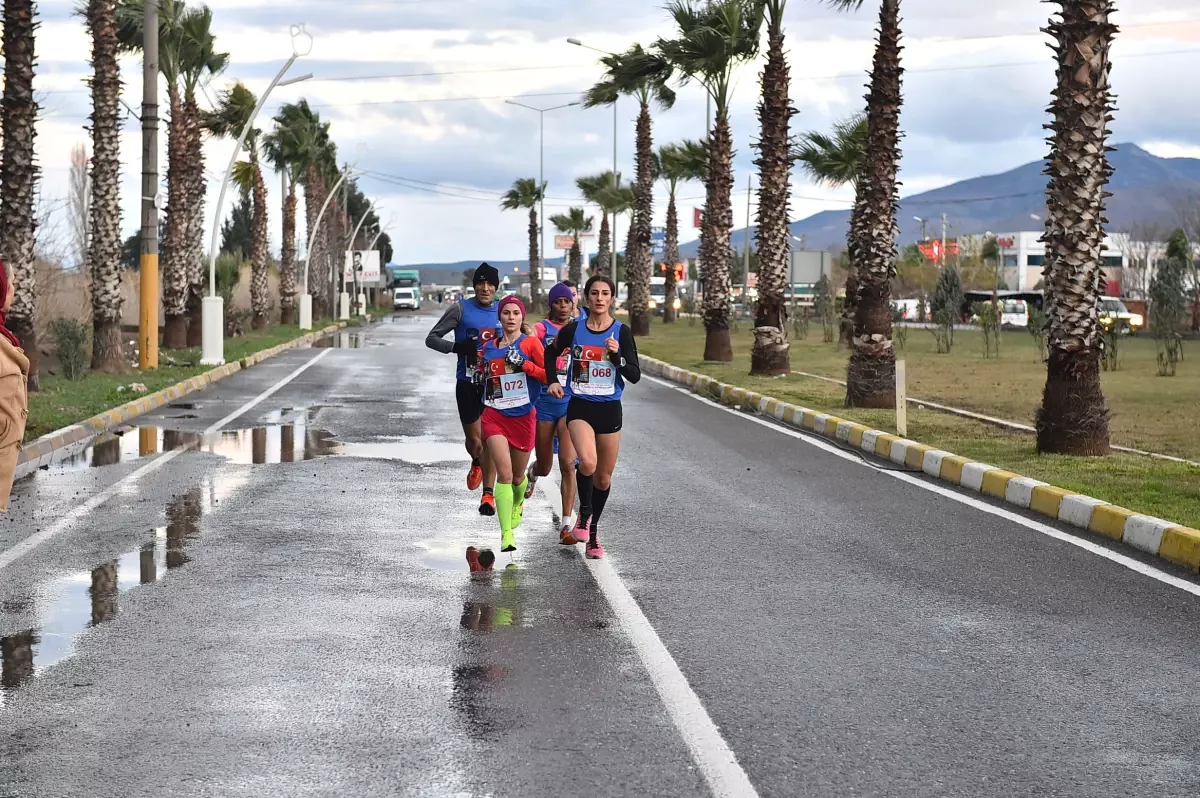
{"points": [[603, 359], [513, 379]]}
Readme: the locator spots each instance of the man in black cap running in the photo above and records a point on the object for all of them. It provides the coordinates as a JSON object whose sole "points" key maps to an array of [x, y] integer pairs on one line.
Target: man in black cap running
{"points": [[473, 322]]}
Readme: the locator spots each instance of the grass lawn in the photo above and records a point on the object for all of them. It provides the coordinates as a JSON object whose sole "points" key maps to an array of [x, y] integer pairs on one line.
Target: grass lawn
{"points": [[1148, 412], [62, 402]]}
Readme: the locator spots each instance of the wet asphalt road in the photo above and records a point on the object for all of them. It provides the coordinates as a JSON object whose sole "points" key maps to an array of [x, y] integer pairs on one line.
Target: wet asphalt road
{"points": [[284, 609]]}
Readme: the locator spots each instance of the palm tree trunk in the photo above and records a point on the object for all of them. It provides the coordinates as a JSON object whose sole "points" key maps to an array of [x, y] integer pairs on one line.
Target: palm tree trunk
{"points": [[770, 355], [871, 376], [195, 228], [575, 263], [535, 277], [20, 174], [639, 258], [622, 275], [604, 248], [714, 241], [176, 245], [259, 301], [672, 253], [314, 195], [335, 237], [1074, 416], [104, 250], [287, 259]]}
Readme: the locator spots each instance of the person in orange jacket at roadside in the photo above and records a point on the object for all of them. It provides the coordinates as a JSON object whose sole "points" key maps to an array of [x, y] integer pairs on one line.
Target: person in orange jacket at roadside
{"points": [[14, 396]]}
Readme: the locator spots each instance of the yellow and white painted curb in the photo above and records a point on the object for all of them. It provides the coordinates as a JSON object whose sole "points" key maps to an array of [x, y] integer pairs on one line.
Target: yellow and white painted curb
{"points": [[1165, 539], [49, 448]]}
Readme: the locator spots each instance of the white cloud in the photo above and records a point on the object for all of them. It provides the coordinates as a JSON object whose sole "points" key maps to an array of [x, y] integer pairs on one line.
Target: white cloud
{"points": [[970, 107]]}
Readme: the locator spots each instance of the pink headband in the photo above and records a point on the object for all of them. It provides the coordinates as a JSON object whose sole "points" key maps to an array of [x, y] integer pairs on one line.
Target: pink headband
{"points": [[511, 300]]}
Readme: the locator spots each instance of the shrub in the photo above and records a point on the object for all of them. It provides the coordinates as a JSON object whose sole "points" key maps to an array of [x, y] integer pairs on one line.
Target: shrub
{"points": [[72, 337], [1037, 328], [989, 321]]}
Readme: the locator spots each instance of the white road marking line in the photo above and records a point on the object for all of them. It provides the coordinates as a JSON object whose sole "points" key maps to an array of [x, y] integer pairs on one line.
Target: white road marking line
{"points": [[717, 762], [1028, 523], [11, 555]]}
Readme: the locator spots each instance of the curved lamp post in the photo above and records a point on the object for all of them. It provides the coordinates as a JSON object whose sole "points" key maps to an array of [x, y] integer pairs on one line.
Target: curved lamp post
{"points": [[212, 306], [612, 265], [306, 297], [358, 300], [541, 112]]}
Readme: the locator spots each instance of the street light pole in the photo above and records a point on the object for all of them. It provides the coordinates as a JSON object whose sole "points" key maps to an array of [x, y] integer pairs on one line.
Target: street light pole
{"points": [[541, 185], [148, 288], [212, 306], [306, 297], [613, 254]]}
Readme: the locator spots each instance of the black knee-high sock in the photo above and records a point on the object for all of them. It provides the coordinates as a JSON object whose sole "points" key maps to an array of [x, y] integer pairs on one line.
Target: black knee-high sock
{"points": [[583, 486], [599, 499]]}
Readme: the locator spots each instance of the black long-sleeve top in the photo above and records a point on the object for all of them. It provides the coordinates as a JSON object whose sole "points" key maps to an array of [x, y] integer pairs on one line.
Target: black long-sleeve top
{"points": [[631, 371]]}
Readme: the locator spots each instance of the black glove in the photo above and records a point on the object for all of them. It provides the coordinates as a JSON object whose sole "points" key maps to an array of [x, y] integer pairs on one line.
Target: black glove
{"points": [[515, 358], [466, 346]]}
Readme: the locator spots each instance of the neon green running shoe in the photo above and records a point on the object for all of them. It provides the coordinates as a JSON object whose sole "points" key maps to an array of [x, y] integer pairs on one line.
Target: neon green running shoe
{"points": [[507, 543], [518, 514]]}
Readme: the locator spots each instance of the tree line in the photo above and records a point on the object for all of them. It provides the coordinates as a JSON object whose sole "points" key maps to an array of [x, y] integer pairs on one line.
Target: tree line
{"points": [[709, 41], [297, 145]]}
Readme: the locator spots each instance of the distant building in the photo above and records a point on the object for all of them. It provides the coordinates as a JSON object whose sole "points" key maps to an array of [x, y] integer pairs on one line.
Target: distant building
{"points": [[1023, 256]]}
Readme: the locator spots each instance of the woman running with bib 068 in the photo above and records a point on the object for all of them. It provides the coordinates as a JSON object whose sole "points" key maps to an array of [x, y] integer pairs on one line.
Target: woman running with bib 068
{"points": [[603, 359], [513, 378]]}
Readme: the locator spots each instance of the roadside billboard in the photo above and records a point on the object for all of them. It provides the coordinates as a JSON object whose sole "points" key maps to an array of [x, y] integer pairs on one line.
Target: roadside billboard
{"points": [[366, 263]]}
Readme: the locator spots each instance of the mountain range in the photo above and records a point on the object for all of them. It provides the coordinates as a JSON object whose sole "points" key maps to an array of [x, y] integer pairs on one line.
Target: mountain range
{"points": [[1145, 189]]}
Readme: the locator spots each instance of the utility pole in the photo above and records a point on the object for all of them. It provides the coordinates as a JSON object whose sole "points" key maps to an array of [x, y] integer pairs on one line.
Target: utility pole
{"points": [[746, 245], [943, 239], [148, 265]]}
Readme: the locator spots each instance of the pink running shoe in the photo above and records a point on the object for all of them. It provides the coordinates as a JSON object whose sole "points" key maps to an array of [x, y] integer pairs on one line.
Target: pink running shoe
{"points": [[594, 551], [582, 531]]}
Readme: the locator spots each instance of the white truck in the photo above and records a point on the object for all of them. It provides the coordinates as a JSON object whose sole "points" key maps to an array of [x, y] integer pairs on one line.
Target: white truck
{"points": [[406, 298]]}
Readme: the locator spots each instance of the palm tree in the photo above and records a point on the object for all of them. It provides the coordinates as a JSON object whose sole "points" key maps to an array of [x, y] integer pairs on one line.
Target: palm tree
{"points": [[871, 376], [643, 75], [712, 41], [575, 221], [20, 174], [770, 357], [201, 63], [1073, 418], [621, 200], [104, 249], [233, 112], [527, 194], [674, 164], [598, 189], [313, 151], [187, 58], [283, 150], [836, 159]]}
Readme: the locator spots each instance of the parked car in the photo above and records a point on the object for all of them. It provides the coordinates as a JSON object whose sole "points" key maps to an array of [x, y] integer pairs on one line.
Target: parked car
{"points": [[1113, 311]]}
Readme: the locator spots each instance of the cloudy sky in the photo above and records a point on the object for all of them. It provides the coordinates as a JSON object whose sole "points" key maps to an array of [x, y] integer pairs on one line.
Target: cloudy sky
{"points": [[443, 146]]}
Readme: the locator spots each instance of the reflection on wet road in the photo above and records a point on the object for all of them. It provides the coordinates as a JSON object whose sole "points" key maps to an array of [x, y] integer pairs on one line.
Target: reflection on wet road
{"points": [[69, 605]]}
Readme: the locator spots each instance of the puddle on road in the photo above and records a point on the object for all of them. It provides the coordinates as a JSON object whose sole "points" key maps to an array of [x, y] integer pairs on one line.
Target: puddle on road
{"points": [[68, 606], [272, 442], [340, 341], [419, 450]]}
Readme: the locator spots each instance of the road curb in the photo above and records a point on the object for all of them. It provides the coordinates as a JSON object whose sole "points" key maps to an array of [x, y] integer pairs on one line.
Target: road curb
{"points": [[49, 448], [1168, 540]]}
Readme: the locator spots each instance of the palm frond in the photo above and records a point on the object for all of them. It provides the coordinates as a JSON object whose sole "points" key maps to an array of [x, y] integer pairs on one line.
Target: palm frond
{"points": [[834, 159], [525, 193], [844, 5], [243, 175]]}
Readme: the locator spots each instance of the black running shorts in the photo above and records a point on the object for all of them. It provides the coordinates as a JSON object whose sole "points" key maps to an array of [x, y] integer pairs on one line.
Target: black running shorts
{"points": [[604, 418], [470, 403]]}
